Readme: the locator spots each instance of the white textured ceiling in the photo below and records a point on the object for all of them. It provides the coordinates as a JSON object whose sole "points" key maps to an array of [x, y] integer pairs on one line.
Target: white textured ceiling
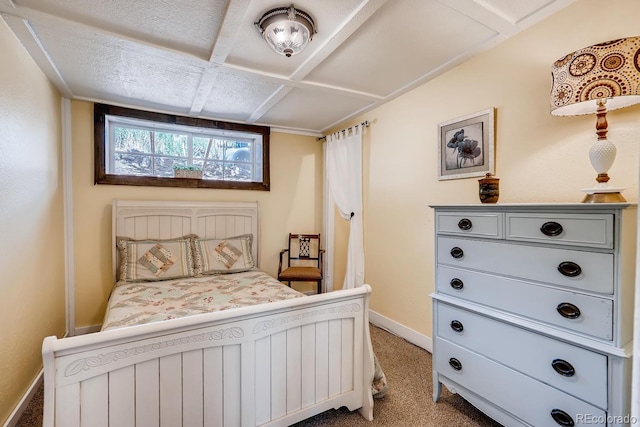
{"points": [[205, 58]]}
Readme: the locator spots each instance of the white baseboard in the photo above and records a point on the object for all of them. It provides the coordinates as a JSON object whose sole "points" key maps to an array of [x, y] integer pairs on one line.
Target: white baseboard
{"points": [[13, 419], [400, 330]]}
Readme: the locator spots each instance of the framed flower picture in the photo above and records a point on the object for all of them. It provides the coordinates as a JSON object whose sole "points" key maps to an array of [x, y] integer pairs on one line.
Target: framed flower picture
{"points": [[466, 146]]}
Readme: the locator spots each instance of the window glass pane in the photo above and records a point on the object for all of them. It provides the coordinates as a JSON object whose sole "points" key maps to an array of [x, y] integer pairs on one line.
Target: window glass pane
{"points": [[239, 154], [237, 172], [132, 164], [200, 147], [164, 165], [213, 170], [217, 149], [132, 140], [171, 144]]}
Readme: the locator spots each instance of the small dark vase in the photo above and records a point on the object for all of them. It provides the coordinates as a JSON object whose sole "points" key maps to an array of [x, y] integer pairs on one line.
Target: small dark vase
{"points": [[489, 189]]}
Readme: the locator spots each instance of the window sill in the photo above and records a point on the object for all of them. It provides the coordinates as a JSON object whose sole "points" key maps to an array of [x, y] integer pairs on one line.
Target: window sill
{"points": [[153, 181]]}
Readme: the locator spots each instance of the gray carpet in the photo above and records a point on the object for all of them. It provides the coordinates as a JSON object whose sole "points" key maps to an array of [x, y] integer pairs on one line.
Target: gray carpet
{"points": [[407, 403]]}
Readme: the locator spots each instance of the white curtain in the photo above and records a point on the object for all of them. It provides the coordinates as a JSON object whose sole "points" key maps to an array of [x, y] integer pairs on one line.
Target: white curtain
{"points": [[343, 190]]}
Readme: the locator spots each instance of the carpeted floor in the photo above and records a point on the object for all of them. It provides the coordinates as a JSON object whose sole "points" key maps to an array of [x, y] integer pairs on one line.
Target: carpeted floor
{"points": [[408, 402]]}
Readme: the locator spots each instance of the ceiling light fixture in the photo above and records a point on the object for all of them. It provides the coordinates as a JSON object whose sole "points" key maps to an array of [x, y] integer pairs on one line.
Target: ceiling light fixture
{"points": [[286, 30]]}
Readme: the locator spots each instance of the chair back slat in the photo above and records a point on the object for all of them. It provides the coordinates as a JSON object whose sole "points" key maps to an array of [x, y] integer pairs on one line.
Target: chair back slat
{"points": [[304, 247]]}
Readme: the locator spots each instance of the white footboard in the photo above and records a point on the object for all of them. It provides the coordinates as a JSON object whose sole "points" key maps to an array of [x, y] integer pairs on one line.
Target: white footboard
{"points": [[272, 364]]}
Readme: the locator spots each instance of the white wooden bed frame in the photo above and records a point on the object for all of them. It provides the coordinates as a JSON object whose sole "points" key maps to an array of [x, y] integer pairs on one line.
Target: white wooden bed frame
{"points": [[272, 364]]}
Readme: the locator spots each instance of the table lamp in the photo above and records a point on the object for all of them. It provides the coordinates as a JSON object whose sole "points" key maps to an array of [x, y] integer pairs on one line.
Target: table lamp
{"points": [[605, 76]]}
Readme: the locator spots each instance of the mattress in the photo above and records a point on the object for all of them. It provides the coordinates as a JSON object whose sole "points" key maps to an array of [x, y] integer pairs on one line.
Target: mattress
{"points": [[146, 302]]}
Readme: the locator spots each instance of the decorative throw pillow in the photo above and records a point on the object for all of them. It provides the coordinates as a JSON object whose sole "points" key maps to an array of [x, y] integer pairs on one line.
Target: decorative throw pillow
{"points": [[220, 256], [152, 260]]}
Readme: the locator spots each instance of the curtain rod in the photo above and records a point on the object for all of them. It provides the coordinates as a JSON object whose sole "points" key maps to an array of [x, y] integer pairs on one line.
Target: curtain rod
{"points": [[364, 124]]}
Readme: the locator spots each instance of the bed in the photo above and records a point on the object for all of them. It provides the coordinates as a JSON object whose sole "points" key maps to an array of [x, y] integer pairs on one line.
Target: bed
{"points": [[257, 360]]}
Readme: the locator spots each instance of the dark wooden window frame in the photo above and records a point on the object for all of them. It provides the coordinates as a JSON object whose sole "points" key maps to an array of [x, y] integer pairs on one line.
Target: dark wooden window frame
{"points": [[102, 177]]}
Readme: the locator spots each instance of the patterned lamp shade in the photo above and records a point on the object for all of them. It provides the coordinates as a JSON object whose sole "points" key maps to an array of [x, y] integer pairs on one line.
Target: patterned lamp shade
{"points": [[606, 71], [605, 76]]}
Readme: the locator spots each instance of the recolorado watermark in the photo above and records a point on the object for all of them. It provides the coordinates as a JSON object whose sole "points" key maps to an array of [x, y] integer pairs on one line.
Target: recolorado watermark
{"points": [[606, 419]]}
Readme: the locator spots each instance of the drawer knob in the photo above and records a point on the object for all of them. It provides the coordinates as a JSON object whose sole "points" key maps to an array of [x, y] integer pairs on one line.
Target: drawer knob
{"points": [[457, 252], [455, 364], [456, 283], [569, 269], [465, 224], [563, 367], [551, 229], [568, 310], [456, 325], [562, 418]]}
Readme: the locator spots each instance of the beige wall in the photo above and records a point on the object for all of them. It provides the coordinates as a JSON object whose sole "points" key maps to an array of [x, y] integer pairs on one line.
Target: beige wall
{"points": [[293, 204], [539, 157], [31, 219]]}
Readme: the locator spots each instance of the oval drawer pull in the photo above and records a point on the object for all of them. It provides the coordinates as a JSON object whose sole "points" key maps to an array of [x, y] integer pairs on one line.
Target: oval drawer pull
{"points": [[568, 310], [455, 364], [551, 229], [456, 325], [563, 367], [457, 252], [569, 269], [465, 224], [456, 283], [562, 418]]}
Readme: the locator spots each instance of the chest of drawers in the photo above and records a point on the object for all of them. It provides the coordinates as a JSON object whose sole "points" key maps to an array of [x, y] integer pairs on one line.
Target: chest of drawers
{"points": [[533, 310]]}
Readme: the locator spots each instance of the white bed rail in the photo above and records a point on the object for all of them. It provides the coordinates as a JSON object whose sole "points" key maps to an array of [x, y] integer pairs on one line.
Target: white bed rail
{"points": [[271, 364]]}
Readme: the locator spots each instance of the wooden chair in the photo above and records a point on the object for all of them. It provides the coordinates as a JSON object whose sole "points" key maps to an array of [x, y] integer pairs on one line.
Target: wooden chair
{"points": [[303, 260]]}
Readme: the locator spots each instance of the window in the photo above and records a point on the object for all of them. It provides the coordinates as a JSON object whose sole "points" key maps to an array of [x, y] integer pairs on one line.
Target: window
{"points": [[135, 147]]}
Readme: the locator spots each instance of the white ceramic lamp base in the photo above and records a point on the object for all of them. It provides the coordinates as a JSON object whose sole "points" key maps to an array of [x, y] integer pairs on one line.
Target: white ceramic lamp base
{"points": [[602, 154]]}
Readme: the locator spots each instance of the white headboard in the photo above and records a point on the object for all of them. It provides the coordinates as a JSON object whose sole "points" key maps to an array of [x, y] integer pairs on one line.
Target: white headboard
{"points": [[143, 219]]}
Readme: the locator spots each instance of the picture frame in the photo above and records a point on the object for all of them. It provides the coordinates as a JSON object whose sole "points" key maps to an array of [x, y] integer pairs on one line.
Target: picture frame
{"points": [[466, 146]]}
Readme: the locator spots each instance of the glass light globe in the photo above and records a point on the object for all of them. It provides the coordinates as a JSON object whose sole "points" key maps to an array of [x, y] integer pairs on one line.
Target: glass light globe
{"points": [[287, 37], [286, 30]]}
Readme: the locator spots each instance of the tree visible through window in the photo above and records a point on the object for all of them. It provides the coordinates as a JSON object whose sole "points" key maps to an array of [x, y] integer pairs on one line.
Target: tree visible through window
{"points": [[141, 148]]}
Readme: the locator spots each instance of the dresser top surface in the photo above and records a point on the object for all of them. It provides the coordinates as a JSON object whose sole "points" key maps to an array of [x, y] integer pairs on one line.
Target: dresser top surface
{"points": [[535, 206]]}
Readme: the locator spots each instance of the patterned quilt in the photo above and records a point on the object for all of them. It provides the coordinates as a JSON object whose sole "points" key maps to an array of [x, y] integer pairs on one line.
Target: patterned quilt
{"points": [[146, 302]]}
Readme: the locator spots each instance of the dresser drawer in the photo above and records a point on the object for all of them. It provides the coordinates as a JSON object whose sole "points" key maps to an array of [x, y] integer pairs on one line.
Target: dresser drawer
{"points": [[529, 300], [526, 398], [590, 230], [579, 372], [470, 224], [594, 270]]}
